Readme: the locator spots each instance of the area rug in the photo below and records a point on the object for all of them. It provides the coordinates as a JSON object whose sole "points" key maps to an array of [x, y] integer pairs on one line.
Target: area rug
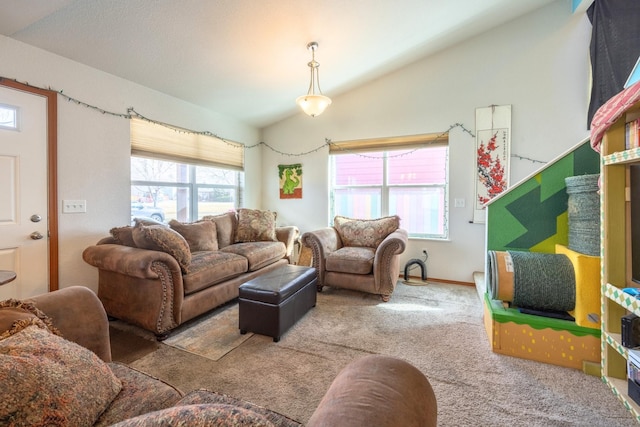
{"points": [[436, 327], [128, 346], [211, 336]]}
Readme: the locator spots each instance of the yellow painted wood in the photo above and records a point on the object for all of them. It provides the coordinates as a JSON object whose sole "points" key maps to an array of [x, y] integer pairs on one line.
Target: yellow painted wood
{"points": [[615, 248]]}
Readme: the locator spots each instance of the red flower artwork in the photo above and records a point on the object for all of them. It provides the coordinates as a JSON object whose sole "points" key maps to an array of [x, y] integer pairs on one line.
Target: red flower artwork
{"points": [[490, 170]]}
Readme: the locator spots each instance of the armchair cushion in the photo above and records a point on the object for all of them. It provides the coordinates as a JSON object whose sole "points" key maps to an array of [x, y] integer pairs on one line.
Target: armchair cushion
{"points": [[354, 260], [256, 225], [164, 239], [201, 235], [365, 232], [47, 380], [140, 394]]}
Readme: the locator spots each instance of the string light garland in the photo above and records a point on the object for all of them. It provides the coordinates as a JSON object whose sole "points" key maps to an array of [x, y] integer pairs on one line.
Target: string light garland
{"points": [[131, 113]]}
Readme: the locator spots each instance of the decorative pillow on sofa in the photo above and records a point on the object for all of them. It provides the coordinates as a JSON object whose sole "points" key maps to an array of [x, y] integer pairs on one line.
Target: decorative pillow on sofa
{"points": [[47, 380], [16, 315], [123, 235], [200, 235], [164, 239], [209, 415], [365, 232], [225, 226], [204, 396], [256, 226]]}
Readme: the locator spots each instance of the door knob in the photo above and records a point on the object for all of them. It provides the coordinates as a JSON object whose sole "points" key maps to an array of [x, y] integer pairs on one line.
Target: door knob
{"points": [[36, 235]]}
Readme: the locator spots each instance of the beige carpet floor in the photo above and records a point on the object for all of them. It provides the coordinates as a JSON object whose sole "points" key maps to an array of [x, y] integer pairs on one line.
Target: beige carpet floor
{"points": [[437, 327]]}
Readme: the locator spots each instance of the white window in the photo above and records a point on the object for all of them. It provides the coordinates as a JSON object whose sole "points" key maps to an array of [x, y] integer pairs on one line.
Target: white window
{"points": [[411, 183], [181, 175], [165, 190], [8, 117]]}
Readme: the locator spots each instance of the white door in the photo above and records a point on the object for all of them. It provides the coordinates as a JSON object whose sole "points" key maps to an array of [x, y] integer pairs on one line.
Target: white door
{"points": [[23, 193]]}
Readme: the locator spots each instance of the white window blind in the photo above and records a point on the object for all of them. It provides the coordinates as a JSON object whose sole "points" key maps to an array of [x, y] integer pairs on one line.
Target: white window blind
{"points": [[161, 142], [389, 143]]}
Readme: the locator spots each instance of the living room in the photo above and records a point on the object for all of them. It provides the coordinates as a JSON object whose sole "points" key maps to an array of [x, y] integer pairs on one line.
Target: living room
{"points": [[538, 63]]}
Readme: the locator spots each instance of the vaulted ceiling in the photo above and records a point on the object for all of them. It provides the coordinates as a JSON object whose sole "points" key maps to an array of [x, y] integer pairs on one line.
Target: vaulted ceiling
{"points": [[248, 58]]}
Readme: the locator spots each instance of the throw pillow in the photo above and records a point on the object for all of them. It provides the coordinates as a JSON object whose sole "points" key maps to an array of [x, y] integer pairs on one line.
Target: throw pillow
{"points": [[226, 227], [47, 380], [164, 239], [209, 415], [123, 235], [201, 235], [16, 315], [148, 221], [367, 233], [256, 226]]}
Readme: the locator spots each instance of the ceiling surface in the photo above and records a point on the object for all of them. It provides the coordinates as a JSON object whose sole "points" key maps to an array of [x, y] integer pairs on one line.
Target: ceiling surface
{"points": [[248, 58]]}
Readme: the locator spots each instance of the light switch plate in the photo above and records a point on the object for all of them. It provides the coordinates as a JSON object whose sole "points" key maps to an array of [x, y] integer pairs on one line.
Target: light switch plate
{"points": [[74, 206]]}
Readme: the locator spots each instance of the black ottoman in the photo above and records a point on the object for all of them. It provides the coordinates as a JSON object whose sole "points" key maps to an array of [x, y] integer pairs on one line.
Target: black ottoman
{"points": [[273, 302]]}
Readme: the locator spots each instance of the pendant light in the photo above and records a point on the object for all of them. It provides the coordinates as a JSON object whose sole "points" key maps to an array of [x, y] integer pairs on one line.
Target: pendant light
{"points": [[314, 102]]}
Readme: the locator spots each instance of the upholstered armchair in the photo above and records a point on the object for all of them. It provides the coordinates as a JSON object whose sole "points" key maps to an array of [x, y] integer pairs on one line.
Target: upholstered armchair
{"points": [[358, 254]]}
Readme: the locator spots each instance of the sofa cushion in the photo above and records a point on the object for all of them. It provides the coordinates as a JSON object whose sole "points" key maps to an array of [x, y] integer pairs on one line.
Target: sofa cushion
{"points": [[123, 235], [202, 396], [211, 267], [258, 254], [226, 224], [365, 232], [351, 259], [47, 380], [256, 226], [17, 315], [141, 393], [164, 239], [208, 415], [200, 235]]}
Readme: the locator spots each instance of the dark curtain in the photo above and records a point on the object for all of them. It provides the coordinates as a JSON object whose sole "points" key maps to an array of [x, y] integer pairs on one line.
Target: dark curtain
{"points": [[615, 47]]}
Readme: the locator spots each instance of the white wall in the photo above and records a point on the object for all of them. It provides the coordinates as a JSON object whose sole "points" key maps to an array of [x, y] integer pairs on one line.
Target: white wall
{"points": [[538, 64], [94, 149]]}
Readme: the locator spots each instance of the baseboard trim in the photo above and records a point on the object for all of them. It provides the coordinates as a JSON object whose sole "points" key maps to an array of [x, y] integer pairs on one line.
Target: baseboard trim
{"points": [[433, 279]]}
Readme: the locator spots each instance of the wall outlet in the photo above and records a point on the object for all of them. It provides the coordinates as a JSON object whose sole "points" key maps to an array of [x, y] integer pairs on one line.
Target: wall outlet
{"points": [[458, 203], [74, 206]]}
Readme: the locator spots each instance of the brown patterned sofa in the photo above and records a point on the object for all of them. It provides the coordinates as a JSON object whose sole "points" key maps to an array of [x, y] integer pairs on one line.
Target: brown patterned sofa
{"points": [[358, 254], [56, 370], [157, 276]]}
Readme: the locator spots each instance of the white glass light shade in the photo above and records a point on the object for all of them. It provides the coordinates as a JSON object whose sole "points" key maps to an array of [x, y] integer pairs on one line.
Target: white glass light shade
{"points": [[313, 105]]}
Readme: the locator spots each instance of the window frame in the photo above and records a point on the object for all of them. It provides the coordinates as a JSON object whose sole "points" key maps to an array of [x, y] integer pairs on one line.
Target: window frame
{"points": [[193, 186], [387, 146]]}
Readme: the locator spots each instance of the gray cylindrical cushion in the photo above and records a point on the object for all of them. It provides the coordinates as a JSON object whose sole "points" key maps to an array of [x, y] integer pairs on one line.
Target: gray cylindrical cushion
{"points": [[583, 213], [543, 281]]}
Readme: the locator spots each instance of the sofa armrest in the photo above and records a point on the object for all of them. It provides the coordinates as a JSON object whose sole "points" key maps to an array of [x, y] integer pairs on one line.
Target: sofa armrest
{"points": [[288, 235], [78, 313], [377, 391], [129, 261]]}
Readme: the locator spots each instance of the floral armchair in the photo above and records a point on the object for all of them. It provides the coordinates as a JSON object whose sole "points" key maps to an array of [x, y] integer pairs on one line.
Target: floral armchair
{"points": [[358, 254]]}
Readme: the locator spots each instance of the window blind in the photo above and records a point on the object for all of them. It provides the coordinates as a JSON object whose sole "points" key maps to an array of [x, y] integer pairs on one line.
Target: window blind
{"points": [[389, 143], [161, 142]]}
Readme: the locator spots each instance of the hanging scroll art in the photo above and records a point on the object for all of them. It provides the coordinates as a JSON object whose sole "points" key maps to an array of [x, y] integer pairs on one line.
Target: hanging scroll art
{"points": [[290, 181], [493, 141]]}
